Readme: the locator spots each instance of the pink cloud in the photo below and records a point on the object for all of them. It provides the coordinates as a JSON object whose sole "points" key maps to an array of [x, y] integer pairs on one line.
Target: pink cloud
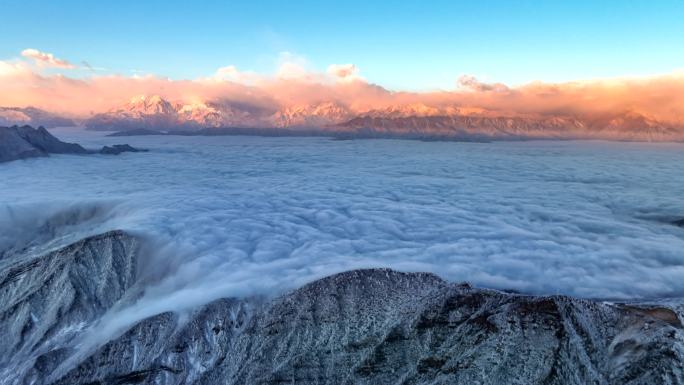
{"points": [[294, 83], [469, 82], [46, 59], [344, 72]]}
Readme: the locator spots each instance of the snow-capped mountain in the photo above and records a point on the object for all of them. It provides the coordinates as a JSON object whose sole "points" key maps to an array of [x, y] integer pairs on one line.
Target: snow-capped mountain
{"points": [[464, 125], [315, 115], [10, 116], [139, 112], [417, 120], [155, 112]]}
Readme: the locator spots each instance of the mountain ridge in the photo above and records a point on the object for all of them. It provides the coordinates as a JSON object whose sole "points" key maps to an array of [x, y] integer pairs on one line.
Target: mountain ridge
{"points": [[414, 120], [367, 326], [409, 120], [27, 142]]}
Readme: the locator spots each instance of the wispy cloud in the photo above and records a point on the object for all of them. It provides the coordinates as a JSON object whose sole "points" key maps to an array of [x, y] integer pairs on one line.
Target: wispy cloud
{"points": [[46, 59]]}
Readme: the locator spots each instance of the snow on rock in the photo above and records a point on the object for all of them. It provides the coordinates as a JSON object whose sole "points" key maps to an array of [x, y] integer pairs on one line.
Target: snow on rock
{"points": [[375, 326]]}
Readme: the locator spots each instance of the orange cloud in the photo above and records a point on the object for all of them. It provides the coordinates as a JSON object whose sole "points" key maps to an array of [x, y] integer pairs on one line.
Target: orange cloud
{"points": [[660, 98]]}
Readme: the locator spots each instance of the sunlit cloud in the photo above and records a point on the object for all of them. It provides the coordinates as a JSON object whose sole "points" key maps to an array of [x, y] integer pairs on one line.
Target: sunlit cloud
{"points": [[471, 83], [295, 81], [344, 72], [46, 59]]}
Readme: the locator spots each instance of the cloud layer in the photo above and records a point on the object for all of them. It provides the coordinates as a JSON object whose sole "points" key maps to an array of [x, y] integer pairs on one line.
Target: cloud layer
{"points": [[239, 215], [295, 82]]}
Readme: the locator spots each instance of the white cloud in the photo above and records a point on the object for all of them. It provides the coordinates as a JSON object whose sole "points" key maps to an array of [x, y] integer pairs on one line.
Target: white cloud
{"points": [[46, 59], [232, 74], [14, 69], [471, 83], [235, 216], [292, 66]]}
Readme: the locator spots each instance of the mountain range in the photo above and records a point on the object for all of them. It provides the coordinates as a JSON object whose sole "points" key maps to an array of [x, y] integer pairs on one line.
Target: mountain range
{"points": [[417, 120]]}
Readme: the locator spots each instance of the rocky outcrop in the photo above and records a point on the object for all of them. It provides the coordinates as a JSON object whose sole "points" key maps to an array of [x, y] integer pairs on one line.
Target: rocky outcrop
{"points": [[373, 326], [28, 142], [117, 149], [136, 132], [13, 146]]}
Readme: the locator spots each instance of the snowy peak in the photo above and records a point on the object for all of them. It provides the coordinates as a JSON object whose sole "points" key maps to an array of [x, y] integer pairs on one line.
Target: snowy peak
{"points": [[406, 110], [149, 105], [311, 115], [419, 120]]}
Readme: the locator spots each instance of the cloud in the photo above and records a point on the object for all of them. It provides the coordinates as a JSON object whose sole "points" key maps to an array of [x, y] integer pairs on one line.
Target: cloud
{"points": [[505, 215], [46, 59], [294, 81], [14, 70], [231, 73], [469, 82], [344, 72], [293, 67]]}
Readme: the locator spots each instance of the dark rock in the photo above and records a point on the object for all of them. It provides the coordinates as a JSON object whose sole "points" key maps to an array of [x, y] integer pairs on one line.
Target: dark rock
{"points": [[28, 142], [137, 132], [117, 149], [13, 146], [40, 138]]}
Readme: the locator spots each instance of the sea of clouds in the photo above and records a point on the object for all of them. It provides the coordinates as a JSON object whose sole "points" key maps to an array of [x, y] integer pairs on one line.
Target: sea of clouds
{"points": [[237, 216]]}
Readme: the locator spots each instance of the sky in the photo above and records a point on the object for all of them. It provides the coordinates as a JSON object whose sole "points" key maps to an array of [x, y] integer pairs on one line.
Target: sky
{"points": [[403, 45]]}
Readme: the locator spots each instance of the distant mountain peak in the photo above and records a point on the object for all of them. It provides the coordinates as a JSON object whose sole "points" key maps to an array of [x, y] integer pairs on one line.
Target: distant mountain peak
{"points": [[417, 119], [149, 105], [10, 116]]}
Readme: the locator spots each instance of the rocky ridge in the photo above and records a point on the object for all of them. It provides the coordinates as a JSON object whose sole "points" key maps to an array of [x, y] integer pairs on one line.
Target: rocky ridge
{"points": [[374, 326], [28, 142]]}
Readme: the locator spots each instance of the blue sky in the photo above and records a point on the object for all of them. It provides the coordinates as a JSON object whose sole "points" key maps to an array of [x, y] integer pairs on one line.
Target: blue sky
{"points": [[401, 45]]}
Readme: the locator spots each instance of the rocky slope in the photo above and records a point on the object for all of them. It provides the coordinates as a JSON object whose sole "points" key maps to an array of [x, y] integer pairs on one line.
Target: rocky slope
{"points": [[360, 327], [28, 142], [46, 300]]}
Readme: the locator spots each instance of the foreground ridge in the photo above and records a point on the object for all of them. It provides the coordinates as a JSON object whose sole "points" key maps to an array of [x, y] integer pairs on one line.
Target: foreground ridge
{"points": [[374, 326]]}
